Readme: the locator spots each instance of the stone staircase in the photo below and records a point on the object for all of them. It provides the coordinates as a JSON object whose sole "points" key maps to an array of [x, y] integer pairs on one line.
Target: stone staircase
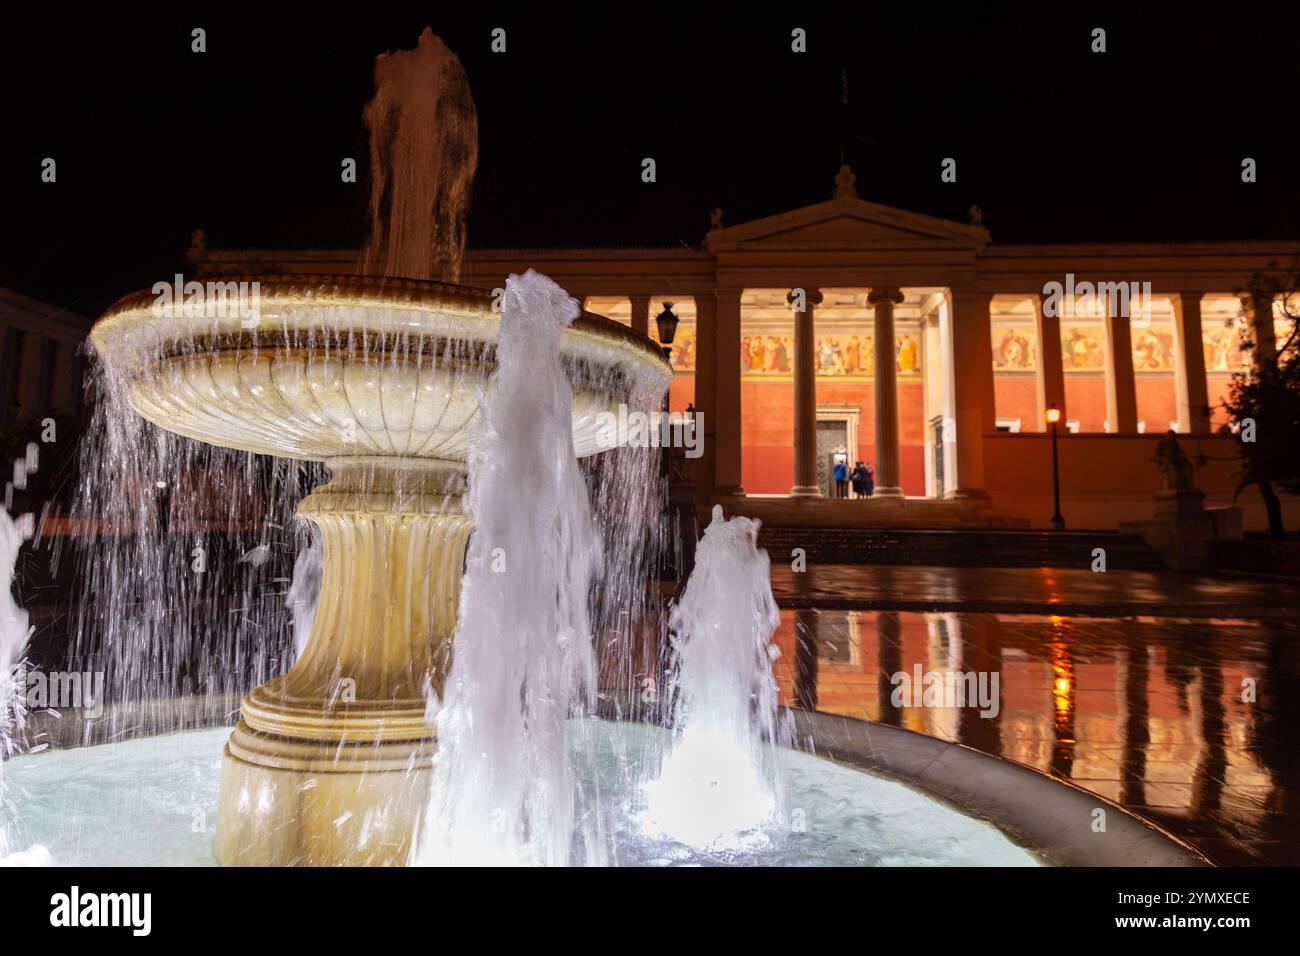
{"points": [[1019, 548]]}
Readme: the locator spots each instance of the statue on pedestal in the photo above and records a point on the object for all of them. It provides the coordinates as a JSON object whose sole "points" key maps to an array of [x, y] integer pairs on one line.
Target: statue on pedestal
{"points": [[846, 184], [1175, 467]]}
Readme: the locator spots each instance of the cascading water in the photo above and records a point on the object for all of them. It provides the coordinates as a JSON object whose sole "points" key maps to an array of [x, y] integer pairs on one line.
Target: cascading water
{"points": [[303, 596], [14, 634], [523, 662], [718, 786], [423, 153]]}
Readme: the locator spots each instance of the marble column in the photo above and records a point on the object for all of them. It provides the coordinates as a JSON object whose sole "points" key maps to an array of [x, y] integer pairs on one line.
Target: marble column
{"points": [[972, 352], [706, 321], [726, 392], [888, 484], [1121, 387], [805, 394], [1258, 303], [1051, 370], [1189, 365], [640, 313]]}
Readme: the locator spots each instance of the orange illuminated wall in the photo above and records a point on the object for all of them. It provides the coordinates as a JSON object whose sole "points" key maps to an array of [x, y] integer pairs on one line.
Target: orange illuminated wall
{"points": [[1016, 396], [767, 430]]}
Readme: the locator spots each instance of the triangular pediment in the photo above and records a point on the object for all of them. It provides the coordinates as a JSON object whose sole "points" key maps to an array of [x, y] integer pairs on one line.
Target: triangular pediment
{"points": [[847, 222]]}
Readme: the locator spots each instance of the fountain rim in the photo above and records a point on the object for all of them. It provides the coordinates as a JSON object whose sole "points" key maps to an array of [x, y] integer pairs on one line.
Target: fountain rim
{"points": [[1025, 804], [328, 289]]}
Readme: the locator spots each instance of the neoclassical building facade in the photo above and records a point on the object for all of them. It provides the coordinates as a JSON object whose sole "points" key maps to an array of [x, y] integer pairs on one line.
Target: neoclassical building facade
{"points": [[854, 330]]}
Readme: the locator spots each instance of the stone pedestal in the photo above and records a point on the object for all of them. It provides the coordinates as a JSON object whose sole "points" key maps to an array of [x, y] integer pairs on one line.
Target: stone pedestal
{"points": [[1183, 530], [328, 765]]}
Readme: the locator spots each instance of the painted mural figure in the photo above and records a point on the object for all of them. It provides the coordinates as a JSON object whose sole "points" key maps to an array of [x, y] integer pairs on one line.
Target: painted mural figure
{"points": [[1154, 351], [1015, 351], [778, 359], [907, 354], [853, 355], [1082, 350], [826, 350]]}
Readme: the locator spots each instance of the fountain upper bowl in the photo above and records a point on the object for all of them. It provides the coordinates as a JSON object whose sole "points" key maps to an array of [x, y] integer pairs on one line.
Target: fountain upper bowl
{"points": [[325, 367]]}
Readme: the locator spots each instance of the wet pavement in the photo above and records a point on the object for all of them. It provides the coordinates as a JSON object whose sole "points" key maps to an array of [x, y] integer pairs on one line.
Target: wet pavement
{"points": [[1030, 590], [1192, 722]]}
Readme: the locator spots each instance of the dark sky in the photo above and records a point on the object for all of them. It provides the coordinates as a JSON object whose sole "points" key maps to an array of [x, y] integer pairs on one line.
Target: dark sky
{"points": [[1056, 143]]}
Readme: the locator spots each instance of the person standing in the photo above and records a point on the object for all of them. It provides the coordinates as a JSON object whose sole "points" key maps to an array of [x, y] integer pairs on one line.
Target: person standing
{"points": [[841, 479], [869, 479], [858, 479]]}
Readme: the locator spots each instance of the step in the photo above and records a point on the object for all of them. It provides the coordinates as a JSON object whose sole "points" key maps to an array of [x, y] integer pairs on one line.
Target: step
{"points": [[960, 548]]}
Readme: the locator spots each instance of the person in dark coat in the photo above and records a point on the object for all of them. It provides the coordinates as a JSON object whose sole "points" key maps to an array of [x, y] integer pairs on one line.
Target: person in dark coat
{"points": [[858, 479]]}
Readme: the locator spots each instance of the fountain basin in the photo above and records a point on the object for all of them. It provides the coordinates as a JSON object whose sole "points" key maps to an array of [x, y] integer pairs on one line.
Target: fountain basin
{"points": [[85, 802], [381, 379], [148, 802], [343, 366]]}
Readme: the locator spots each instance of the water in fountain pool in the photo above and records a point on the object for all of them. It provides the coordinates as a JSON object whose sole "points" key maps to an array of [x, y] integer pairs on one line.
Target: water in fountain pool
{"points": [[717, 785], [147, 802]]}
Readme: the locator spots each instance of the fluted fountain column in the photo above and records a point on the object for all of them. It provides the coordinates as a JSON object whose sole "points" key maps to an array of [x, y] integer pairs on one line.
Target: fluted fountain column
{"points": [[883, 301], [805, 394], [337, 752]]}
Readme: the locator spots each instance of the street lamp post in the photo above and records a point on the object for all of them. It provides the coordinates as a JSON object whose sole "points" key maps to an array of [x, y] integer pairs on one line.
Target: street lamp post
{"points": [[666, 326], [1058, 522]]}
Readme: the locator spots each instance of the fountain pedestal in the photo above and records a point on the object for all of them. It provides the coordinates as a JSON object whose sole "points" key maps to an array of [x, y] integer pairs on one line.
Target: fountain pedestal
{"points": [[328, 764], [381, 378]]}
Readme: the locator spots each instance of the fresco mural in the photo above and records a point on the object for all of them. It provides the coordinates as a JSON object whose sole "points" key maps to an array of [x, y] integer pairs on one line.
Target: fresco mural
{"points": [[1222, 345], [847, 356], [1015, 348], [1083, 348], [1153, 348]]}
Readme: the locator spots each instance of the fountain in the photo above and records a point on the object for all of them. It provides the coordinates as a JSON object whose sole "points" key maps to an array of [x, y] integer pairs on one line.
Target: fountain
{"points": [[380, 379], [441, 708]]}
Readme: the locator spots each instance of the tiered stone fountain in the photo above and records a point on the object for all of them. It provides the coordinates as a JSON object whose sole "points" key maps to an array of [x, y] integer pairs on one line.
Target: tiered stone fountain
{"points": [[380, 379]]}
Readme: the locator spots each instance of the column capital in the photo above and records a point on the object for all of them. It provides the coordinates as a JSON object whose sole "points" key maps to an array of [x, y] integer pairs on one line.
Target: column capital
{"points": [[728, 293], [810, 296], [882, 294], [705, 300]]}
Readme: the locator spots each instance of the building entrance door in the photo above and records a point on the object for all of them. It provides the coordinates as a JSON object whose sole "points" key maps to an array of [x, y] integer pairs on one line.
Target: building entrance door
{"points": [[936, 429], [832, 446]]}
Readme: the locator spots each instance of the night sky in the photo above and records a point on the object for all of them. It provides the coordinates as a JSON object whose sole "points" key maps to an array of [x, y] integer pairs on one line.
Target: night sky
{"points": [[1054, 142]]}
